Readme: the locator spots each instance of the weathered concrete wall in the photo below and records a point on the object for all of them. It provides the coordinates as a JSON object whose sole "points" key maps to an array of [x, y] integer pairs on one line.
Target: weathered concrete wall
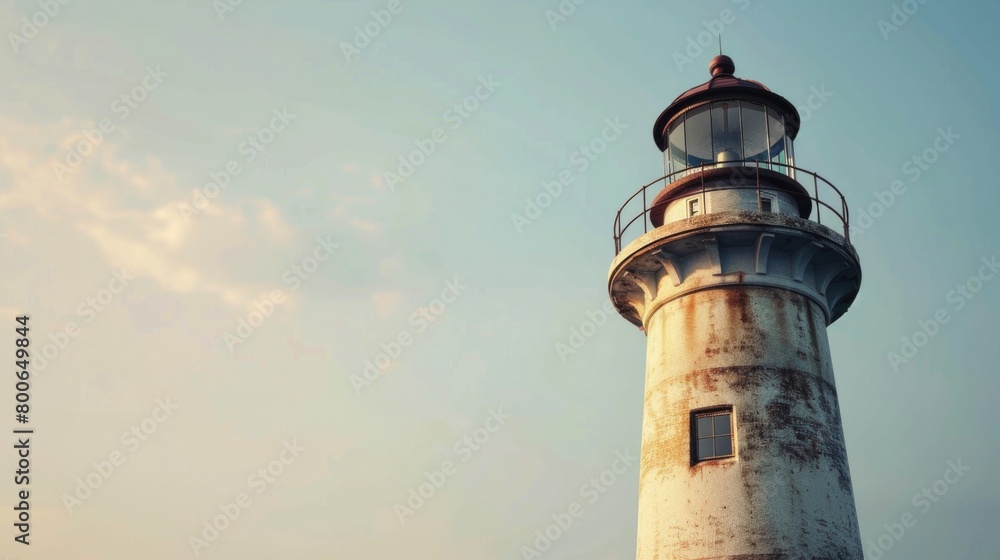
{"points": [[787, 492]]}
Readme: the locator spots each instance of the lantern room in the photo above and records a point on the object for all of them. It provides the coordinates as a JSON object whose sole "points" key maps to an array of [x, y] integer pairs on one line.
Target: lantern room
{"points": [[714, 137], [727, 147], [727, 119]]}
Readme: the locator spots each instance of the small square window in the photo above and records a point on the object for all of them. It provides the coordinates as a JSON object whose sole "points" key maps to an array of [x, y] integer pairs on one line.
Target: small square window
{"points": [[694, 207], [766, 205], [712, 434]]}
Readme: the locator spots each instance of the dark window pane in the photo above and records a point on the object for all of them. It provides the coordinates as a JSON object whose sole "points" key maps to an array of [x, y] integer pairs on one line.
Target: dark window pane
{"points": [[698, 136], [705, 426], [723, 446], [722, 424], [705, 448], [765, 205], [754, 132]]}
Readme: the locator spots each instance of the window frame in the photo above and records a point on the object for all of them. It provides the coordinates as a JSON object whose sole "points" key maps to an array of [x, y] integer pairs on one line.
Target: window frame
{"points": [[695, 439], [694, 207], [770, 204]]}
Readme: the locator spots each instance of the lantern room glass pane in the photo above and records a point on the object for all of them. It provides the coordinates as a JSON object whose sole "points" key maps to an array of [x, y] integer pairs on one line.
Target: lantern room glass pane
{"points": [[726, 130], [677, 155], [754, 132], [698, 137], [776, 135]]}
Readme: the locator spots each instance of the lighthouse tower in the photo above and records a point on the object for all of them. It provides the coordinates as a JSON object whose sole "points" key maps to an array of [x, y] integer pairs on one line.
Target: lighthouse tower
{"points": [[734, 263]]}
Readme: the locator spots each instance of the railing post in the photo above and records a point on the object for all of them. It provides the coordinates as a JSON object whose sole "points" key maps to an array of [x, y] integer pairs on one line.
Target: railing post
{"points": [[645, 215], [847, 218], [819, 214], [760, 206], [704, 205], [757, 179]]}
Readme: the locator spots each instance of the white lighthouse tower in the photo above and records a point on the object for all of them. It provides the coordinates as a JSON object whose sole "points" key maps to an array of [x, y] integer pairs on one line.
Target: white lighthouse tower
{"points": [[734, 264]]}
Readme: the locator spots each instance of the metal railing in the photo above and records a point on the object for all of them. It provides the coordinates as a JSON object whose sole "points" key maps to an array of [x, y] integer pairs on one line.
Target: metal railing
{"points": [[744, 171]]}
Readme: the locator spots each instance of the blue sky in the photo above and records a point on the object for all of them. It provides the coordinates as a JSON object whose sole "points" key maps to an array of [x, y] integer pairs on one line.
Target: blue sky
{"points": [[263, 98]]}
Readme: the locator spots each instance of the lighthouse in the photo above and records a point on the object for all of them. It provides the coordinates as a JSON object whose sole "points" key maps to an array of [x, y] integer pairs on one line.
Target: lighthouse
{"points": [[734, 263]]}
